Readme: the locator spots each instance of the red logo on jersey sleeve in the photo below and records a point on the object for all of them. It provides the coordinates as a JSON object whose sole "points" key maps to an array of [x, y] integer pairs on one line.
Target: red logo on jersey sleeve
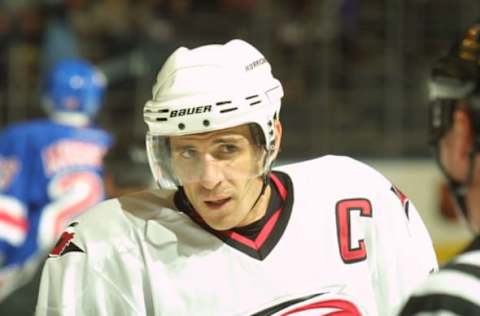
{"points": [[403, 199], [65, 244]]}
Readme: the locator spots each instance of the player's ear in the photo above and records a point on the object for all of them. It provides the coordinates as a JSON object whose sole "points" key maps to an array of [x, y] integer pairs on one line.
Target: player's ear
{"points": [[278, 138]]}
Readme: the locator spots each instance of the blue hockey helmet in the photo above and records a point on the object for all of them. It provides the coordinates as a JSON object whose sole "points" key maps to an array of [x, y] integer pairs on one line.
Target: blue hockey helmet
{"points": [[73, 91]]}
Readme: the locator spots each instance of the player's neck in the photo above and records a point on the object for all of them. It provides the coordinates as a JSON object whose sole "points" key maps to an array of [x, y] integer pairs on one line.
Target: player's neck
{"points": [[259, 207], [72, 119]]}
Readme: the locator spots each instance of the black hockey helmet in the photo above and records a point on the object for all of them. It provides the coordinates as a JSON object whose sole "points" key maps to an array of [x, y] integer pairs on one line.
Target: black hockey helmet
{"points": [[455, 77]]}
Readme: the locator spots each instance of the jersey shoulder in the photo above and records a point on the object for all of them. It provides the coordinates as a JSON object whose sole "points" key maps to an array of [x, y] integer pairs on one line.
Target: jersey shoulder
{"points": [[97, 135], [124, 218], [45, 129], [334, 169], [22, 130], [20, 141], [114, 215]]}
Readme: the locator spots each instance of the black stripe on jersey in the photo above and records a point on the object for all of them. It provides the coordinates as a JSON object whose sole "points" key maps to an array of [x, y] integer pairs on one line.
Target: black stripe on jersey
{"points": [[440, 302], [71, 248], [273, 309], [465, 268]]}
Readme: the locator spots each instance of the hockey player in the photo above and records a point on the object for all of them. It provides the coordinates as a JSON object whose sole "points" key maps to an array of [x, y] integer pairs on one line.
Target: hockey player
{"points": [[455, 127], [50, 170], [225, 234]]}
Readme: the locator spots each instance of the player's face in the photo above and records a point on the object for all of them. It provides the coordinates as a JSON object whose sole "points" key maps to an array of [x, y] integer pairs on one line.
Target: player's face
{"points": [[220, 174]]}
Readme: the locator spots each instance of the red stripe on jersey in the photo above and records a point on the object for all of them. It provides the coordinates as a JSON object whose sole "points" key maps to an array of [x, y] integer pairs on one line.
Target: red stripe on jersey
{"points": [[337, 307], [262, 236], [267, 229], [269, 226], [18, 223], [401, 196]]}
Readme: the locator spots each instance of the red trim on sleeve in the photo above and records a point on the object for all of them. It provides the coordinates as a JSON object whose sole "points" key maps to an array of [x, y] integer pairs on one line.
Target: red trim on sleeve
{"points": [[18, 223]]}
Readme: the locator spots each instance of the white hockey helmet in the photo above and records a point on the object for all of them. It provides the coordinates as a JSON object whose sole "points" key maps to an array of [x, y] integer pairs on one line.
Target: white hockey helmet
{"points": [[206, 89]]}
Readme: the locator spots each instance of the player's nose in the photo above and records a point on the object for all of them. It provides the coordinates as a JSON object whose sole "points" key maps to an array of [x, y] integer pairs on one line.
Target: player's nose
{"points": [[211, 173]]}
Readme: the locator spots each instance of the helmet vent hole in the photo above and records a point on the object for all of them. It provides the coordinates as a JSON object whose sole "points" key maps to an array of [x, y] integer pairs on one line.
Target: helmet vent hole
{"points": [[223, 103], [181, 126], [160, 119], [206, 123], [254, 99], [228, 110]]}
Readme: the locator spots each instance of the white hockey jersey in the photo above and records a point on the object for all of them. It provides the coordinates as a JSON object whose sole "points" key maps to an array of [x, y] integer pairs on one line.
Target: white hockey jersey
{"points": [[346, 240]]}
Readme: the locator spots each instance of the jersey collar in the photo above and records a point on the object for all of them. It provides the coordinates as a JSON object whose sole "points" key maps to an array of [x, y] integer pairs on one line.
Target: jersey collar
{"points": [[273, 224]]}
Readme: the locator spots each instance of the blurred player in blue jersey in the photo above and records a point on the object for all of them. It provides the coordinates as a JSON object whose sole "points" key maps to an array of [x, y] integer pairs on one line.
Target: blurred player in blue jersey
{"points": [[50, 170]]}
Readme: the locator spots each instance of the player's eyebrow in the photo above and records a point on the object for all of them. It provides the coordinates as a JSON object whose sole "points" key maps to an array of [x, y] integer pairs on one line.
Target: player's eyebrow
{"points": [[179, 148], [218, 141], [230, 139], [193, 140]]}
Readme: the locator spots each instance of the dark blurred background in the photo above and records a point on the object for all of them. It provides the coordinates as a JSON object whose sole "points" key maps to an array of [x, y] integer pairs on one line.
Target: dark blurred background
{"points": [[353, 71]]}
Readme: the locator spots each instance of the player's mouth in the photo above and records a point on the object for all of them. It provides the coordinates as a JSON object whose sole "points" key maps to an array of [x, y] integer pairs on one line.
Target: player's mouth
{"points": [[216, 204]]}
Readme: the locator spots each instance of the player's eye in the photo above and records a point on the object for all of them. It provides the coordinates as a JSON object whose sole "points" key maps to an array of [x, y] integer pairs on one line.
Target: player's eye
{"points": [[227, 151], [188, 153], [229, 148]]}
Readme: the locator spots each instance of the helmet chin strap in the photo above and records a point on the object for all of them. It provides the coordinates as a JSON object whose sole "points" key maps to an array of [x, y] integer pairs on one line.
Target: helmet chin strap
{"points": [[262, 191], [264, 176]]}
